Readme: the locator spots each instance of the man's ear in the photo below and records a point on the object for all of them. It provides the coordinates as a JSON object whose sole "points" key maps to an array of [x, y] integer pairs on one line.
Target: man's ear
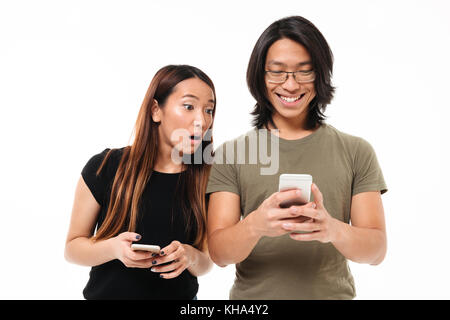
{"points": [[156, 111]]}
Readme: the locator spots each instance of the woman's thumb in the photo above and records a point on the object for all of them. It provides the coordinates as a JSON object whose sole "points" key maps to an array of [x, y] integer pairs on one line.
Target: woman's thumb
{"points": [[131, 236]]}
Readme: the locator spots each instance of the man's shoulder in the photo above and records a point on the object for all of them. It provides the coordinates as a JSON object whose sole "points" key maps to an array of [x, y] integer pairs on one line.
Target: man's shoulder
{"points": [[346, 142], [330, 132]]}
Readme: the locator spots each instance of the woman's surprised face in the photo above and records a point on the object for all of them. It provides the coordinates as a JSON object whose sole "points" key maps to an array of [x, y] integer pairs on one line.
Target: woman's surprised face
{"points": [[289, 96], [186, 116]]}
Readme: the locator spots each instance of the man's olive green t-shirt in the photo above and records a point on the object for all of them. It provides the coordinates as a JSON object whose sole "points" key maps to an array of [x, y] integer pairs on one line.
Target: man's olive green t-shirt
{"points": [[341, 165]]}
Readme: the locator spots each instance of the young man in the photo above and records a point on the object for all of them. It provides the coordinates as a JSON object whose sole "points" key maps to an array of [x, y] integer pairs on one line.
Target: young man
{"points": [[289, 75]]}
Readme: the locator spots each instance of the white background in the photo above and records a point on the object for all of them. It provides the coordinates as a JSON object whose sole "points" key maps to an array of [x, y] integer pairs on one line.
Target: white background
{"points": [[73, 75]]}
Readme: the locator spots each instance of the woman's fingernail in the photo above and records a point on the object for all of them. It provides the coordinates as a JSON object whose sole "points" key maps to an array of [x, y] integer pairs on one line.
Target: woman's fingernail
{"points": [[152, 270], [294, 209], [162, 253], [161, 276], [154, 262], [138, 237], [287, 225], [153, 254], [298, 192]]}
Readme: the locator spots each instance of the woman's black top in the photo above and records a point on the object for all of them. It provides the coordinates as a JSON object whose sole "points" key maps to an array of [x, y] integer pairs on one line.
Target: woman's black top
{"points": [[160, 222]]}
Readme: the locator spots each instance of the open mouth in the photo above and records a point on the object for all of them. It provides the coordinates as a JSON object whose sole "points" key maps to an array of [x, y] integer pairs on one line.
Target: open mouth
{"points": [[290, 100], [194, 137]]}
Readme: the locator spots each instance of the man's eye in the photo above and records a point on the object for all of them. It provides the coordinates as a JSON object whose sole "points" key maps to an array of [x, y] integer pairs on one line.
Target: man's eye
{"points": [[188, 106]]}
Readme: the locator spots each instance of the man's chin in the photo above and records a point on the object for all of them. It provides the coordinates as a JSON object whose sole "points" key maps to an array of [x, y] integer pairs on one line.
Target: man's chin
{"points": [[289, 115]]}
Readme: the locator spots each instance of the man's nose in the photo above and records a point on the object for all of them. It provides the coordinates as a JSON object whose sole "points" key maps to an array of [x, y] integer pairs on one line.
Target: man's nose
{"points": [[290, 84]]}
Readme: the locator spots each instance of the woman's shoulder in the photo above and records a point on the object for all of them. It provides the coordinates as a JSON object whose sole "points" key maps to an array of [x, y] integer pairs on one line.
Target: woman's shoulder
{"points": [[115, 153], [110, 153], [99, 172], [109, 156]]}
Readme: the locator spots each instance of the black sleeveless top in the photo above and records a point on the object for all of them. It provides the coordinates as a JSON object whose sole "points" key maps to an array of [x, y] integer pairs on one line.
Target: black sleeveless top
{"points": [[160, 222]]}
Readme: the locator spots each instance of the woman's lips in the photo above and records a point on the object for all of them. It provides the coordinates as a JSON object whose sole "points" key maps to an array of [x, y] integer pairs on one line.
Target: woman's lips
{"points": [[195, 139]]}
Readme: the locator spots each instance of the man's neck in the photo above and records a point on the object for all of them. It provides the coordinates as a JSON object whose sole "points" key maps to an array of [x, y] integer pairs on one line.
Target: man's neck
{"points": [[290, 130]]}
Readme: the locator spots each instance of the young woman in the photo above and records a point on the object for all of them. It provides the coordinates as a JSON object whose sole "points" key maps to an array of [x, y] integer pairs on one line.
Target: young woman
{"points": [[143, 193], [289, 75]]}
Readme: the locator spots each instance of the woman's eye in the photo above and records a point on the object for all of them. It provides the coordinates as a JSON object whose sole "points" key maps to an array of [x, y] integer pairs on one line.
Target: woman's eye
{"points": [[188, 106], [209, 111]]}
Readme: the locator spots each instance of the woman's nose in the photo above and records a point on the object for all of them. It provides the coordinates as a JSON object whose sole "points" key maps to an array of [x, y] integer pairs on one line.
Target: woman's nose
{"points": [[198, 125], [199, 121]]}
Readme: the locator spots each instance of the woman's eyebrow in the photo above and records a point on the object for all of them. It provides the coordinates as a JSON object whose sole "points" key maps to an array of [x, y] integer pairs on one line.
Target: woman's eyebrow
{"points": [[190, 96], [195, 97]]}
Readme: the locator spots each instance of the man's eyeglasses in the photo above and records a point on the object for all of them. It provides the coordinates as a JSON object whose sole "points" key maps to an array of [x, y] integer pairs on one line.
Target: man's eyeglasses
{"points": [[282, 76]]}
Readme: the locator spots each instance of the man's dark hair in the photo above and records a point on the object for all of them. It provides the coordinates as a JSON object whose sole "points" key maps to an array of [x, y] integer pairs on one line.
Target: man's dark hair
{"points": [[305, 33]]}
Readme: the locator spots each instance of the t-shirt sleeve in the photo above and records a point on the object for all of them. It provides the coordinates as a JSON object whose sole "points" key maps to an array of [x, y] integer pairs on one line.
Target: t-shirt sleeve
{"points": [[367, 175], [223, 176], [97, 184]]}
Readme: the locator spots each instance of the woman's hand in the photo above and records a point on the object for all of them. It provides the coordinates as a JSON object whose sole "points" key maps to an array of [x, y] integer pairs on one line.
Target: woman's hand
{"points": [[121, 248], [322, 225], [178, 257]]}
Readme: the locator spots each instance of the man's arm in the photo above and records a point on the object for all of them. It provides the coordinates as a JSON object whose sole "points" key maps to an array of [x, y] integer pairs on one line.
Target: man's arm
{"points": [[364, 241], [230, 239]]}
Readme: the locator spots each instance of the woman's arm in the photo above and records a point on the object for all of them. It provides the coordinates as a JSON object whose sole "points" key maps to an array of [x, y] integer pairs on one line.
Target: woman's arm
{"points": [[80, 249], [201, 262]]}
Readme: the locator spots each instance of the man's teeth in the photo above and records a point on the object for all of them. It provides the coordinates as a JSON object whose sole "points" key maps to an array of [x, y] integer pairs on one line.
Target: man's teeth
{"points": [[290, 99]]}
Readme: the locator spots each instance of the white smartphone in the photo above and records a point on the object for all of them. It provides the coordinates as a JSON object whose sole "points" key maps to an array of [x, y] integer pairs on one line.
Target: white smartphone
{"points": [[296, 181], [145, 247]]}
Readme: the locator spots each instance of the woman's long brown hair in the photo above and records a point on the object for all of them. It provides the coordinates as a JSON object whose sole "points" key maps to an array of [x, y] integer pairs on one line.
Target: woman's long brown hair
{"points": [[138, 160]]}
